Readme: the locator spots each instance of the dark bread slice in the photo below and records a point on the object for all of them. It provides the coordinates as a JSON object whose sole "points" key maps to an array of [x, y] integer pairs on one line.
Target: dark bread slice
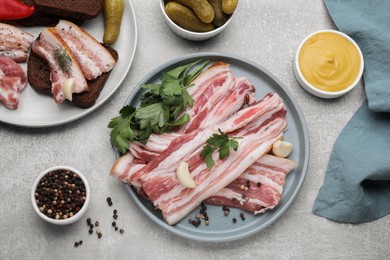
{"points": [[72, 9], [40, 18], [38, 73]]}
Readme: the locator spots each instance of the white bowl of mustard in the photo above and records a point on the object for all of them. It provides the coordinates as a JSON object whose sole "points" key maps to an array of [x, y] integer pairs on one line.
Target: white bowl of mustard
{"points": [[328, 64]]}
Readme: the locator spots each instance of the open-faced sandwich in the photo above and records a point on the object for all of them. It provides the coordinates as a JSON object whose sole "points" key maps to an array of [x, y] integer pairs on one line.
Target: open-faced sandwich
{"points": [[70, 64]]}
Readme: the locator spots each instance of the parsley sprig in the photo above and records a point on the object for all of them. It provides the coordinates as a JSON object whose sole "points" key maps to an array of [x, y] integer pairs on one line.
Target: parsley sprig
{"points": [[160, 109], [220, 142]]}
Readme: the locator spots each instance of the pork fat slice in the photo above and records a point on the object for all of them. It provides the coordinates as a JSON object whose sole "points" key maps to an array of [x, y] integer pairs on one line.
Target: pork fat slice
{"points": [[14, 42], [93, 58], [12, 82], [266, 178], [46, 46]]}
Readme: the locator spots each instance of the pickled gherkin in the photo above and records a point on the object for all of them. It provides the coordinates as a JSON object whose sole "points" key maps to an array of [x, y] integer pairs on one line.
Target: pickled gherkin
{"points": [[201, 8], [113, 12], [186, 18], [219, 17], [228, 6]]}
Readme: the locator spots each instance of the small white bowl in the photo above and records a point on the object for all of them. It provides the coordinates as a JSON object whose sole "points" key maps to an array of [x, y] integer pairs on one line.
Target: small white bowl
{"points": [[318, 92], [75, 217], [189, 35]]}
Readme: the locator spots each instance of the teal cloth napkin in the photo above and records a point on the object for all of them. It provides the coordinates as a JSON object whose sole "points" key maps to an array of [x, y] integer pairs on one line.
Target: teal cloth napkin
{"points": [[356, 188]]}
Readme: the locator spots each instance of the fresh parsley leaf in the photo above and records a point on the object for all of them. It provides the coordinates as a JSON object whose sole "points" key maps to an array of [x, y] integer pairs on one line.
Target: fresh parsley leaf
{"points": [[153, 88], [152, 115], [172, 87], [220, 142], [182, 120]]}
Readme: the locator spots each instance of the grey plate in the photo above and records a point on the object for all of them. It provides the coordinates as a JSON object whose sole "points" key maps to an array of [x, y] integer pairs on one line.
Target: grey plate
{"points": [[221, 228]]}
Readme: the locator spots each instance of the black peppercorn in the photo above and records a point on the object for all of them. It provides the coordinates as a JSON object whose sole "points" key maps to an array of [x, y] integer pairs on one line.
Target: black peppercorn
{"points": [[76, 244], [116, 228], [234, 220], [121, 231], [90, 231], [113, 224], [115, 211]]}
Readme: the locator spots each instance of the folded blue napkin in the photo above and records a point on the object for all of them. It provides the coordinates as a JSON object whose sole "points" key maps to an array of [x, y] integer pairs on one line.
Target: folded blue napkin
{"points": [[357, 182]]}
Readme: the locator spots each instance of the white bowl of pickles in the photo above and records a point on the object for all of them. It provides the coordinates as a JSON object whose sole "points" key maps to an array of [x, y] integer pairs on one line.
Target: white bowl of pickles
{"points": [[198, 20]]}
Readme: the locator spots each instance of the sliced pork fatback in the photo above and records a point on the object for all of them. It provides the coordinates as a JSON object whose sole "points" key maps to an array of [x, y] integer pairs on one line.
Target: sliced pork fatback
{"points": [[14, 42], [158, 177], [263, 185], [12, 82], [46, 46], [93, 58], [231, 97]]}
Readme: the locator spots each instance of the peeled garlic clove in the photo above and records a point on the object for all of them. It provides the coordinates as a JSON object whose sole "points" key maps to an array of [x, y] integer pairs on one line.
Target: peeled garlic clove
{"points": [[184, 177], [68, 88], [282, 148]]}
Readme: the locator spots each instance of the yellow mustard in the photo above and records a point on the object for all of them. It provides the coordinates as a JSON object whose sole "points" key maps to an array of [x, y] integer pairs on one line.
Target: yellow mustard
{"points": [[329, 62]]}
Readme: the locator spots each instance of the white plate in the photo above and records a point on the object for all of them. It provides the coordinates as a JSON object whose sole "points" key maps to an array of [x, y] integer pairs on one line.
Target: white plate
{"points": [[39, 110]]}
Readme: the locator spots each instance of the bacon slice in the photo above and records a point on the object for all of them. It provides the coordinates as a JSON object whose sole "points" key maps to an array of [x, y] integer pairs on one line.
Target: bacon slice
{"points": [[93, 58], [264, 180], [207, 78], [49, 41], [14, 42], [12, 82]]}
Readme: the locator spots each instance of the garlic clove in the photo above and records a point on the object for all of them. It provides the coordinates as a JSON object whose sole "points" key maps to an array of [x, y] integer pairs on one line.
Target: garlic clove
{"points": [[183, 176], [282, 148], [68, 88]]}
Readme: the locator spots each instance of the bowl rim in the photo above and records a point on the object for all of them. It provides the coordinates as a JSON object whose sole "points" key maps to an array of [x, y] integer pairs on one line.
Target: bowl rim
{"points": [[323, 92], [210, 33], [75, 217]]}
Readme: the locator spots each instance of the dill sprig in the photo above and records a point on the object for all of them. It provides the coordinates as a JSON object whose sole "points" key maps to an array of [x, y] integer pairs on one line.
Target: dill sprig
{"points": [[63, 59]]}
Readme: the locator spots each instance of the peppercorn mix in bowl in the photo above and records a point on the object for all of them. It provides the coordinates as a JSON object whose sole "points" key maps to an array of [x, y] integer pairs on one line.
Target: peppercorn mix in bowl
{"points": [[198, 20], [60, 195]]}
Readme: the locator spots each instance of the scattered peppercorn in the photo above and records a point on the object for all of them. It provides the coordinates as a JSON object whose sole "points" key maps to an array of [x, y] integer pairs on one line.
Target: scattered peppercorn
{"points": [[115, 216], [96, 223], [114, 224], [99, 235], [121, 231], [109, 201], [116, 228], [234, 220], [76, 244], [80, 242], [88, 221], [258, 184], [91, 226], [90, 231], [56, 195], [115, 211]]}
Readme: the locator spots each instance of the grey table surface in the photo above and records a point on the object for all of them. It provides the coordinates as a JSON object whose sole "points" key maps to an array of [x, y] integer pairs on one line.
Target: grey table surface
{"points": [[267, 32]]}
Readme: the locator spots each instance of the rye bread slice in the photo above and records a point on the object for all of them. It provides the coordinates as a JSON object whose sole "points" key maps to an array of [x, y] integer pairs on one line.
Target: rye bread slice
{"points": [[38, 74], [41, 18], [72, 9]]}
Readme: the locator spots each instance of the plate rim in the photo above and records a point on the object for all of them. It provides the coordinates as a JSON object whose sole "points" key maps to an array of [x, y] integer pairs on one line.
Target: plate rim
{"points": [[94, 107], [306, 148]]}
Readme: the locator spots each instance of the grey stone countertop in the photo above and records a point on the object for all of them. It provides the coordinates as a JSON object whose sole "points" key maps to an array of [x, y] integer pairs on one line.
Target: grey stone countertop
{"points": [[265, 31]]}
